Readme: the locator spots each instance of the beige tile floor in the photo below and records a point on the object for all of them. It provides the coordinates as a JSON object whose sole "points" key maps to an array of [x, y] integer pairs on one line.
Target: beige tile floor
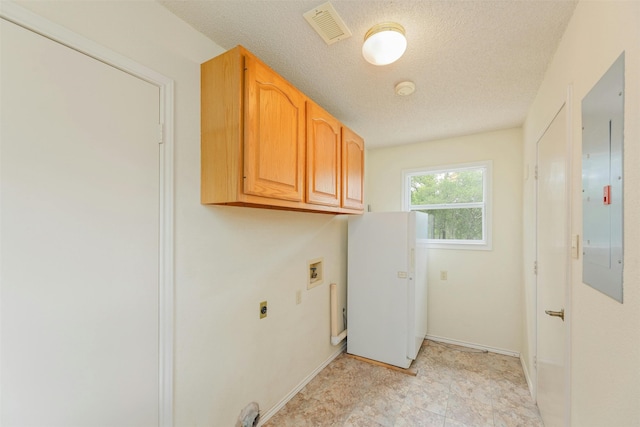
{"points": [[454, 387]]}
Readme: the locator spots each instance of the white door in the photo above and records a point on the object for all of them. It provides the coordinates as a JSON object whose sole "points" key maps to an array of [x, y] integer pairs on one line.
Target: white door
{"points": [[552, 257], [79, 231]]}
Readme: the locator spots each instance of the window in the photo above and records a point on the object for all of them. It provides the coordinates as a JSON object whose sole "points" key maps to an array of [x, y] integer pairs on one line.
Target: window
{"points": [[457, 200]]}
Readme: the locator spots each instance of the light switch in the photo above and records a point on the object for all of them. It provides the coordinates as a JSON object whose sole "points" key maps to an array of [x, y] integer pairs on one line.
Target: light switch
{"points": [[575, 246]]}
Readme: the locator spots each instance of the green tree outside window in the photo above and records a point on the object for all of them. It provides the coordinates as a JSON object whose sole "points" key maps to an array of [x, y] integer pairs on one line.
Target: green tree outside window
{"points": [[454, 199]]}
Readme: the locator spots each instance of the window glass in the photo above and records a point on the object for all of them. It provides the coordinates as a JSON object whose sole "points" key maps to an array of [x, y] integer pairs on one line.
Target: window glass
{"points": [[455, 224], [456, 200], [447, 187]]}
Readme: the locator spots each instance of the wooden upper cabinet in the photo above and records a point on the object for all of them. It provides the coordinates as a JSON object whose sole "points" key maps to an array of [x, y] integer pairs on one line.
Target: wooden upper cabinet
{"points": [[221, 135], [323, 157], [261, 147], [274, 140], [352, 170]]}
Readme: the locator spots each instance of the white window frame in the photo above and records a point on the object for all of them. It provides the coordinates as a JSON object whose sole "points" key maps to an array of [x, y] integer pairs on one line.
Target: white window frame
{"points": [[486, 243]]}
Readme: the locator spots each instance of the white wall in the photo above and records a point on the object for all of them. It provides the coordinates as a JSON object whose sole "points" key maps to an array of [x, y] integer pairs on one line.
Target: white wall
{"points": [[480, 303], [227, 259], [605, 334]]}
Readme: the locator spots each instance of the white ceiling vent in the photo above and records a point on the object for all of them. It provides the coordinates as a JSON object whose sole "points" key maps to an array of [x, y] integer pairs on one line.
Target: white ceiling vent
{"points": [[326, 21]]}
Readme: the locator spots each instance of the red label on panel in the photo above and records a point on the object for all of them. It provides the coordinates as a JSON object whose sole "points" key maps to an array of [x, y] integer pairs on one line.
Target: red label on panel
{"points": [[606, 196]]}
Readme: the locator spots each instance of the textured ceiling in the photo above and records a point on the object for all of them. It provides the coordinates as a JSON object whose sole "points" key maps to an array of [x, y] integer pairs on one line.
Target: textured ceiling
{"points": [[477, 65]]}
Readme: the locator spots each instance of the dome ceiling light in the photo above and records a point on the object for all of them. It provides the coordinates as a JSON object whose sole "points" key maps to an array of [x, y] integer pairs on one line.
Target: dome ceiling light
{"points": [[384, 43]]}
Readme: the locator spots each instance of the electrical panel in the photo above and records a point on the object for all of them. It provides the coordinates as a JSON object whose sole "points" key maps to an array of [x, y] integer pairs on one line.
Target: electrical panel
{"points": [[602, 182]]}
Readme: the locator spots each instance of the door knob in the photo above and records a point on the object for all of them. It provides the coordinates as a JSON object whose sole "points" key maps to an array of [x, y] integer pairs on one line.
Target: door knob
{"points": [[559, 314]]}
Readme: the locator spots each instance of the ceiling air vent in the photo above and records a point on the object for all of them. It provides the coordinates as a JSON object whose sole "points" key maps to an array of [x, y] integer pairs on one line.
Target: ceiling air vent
{"points": [[326, 21]]}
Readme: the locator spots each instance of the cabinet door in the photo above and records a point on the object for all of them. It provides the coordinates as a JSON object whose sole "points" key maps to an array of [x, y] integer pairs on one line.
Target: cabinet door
{"points": [[274, 134], [352, 170], [323, 157]]}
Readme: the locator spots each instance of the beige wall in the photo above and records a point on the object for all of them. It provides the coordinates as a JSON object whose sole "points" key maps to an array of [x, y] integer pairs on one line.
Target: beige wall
{"points": [[480, 303], [605, 334], [227, 260]]}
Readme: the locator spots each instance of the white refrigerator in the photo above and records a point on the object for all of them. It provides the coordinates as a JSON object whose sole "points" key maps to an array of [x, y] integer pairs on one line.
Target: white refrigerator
{"points": [[387, 286]]}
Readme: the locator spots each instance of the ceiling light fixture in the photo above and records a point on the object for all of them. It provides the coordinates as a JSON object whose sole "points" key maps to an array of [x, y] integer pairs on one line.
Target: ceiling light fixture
{"points": [[384, 43]]}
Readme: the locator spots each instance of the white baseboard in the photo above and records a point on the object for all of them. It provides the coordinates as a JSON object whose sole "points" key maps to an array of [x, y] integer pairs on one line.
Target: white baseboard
{"points": [[472, 345], [528, 378], [271, 412]]}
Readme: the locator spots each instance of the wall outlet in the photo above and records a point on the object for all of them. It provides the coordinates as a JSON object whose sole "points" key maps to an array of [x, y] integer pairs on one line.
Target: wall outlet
{"points": [[298, 296], [443, 275], [263, 309]]}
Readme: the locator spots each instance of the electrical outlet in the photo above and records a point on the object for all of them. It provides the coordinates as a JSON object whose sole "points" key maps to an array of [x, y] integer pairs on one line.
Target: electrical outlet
{"points": [[298, 296], [443, 275], [263, 309]]}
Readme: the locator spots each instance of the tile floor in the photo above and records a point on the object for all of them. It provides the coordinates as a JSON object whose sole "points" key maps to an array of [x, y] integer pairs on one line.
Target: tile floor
{"points": [[454, 387]]}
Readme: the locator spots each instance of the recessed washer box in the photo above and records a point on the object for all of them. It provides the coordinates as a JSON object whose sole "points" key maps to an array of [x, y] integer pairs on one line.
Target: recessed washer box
{"points": [[315, 273]]}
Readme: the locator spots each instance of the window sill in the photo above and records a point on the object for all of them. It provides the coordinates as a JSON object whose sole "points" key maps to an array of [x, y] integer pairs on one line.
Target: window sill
{"points": [[461, 246]]}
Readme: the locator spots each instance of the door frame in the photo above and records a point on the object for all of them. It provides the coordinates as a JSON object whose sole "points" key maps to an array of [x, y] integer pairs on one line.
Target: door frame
{"points": [[567, 104], [39, 25]]}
